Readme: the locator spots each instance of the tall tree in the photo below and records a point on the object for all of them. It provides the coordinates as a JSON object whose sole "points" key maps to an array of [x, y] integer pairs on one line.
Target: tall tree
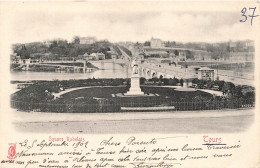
{"points": [[76, 40], [147, 43], [24, 53]]}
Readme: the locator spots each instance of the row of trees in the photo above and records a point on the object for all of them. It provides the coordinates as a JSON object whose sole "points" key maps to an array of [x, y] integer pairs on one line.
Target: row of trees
{"points": [[128, 52], [61, 48], [117, 50], [227, 88]]}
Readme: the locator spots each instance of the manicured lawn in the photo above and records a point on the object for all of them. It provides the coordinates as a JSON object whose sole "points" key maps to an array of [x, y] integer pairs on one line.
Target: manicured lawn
{"points": [[99, 92], [166, 95], [101, 96]]}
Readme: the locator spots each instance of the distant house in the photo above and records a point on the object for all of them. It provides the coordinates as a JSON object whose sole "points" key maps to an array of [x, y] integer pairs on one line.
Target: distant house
{"points": [[182, 55], [206, 73], [83, 57], [114, 56], [155, 43], [101, 56], [87, 40], [47, 43], [89, 57], [96, 56], [250, 44]]}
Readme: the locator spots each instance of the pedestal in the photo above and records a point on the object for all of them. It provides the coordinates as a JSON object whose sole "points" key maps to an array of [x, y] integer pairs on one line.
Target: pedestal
{"points": [[135, 86], [185, 84]]}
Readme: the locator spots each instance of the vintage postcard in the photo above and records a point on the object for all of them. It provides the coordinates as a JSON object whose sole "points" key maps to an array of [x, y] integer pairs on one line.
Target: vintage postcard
{"points": [[123, 84]]}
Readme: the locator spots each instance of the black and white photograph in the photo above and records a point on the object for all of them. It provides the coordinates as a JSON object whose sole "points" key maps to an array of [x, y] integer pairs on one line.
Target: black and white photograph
{"points": [[143, 71], [129, 84]]}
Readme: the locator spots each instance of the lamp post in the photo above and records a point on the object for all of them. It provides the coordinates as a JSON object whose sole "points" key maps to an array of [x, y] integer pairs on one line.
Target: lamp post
{"points": [[217, 72]]}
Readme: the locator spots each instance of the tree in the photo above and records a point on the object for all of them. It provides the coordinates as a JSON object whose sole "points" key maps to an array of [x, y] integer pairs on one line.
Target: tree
{"points": [[250, 95], [117, 50], [161, 77], [210, 84], [175, 81], [168, 54], [54, 44], [219, 83], [176, 52], [238, 91], [142, 80], [170, 44], [181, 82], [24, 53], [189, 55], [165, 81], [76, 40], [147, 43], [201, 83], [195, 81], [155, 79], [228, 87], [126, 50]]}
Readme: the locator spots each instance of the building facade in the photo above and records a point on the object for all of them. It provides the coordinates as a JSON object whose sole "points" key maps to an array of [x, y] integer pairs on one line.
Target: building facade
{"points": [[155, 43], [206, 73], [87, 40], [96, 56]]}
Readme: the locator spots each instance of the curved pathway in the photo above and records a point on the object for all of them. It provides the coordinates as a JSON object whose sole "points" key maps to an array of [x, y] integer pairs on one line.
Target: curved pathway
{"points": [[178, 88], [56, 95]]}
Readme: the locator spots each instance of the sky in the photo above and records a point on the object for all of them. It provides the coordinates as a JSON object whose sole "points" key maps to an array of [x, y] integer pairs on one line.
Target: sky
{"points": [[128, 22]]}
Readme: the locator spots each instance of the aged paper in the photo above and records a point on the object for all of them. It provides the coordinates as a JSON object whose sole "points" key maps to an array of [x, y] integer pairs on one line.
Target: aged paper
{"points": [[118, 84]]}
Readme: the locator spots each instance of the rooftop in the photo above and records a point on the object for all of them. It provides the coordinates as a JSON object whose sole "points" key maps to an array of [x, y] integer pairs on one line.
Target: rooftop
{"points": [[206, 68]]}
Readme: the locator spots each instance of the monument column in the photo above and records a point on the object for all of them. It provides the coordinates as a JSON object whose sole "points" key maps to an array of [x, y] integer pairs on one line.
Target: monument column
{"points": [[135, 81]]}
